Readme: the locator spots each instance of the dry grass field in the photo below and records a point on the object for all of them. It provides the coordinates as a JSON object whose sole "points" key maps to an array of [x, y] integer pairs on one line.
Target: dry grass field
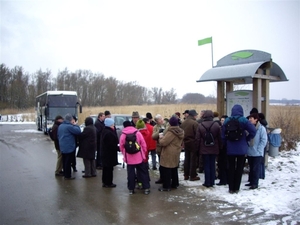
{"points": [[285, 117], [165, 110]]}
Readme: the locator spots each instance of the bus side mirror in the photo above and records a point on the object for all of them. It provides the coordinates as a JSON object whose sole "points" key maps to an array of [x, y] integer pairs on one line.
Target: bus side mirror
{"points": [[80, 108]]}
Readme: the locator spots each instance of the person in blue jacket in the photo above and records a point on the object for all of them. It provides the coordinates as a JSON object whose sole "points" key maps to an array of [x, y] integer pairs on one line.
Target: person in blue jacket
{"points": [[237, 150], [66, 134], [256, 150]]}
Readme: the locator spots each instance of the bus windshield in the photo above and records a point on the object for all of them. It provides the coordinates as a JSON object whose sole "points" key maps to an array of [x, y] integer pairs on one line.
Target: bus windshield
{"points": [[55, 111]]}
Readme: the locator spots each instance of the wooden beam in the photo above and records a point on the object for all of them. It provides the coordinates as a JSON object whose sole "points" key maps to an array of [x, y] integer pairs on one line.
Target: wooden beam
{"points": [[266, 77]]}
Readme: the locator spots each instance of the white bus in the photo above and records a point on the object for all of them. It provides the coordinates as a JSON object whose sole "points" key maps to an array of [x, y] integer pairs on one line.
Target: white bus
{"points": [[52, 103]]}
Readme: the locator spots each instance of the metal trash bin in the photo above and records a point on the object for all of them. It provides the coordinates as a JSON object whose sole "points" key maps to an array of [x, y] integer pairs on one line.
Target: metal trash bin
{"points": [[274, 142]]}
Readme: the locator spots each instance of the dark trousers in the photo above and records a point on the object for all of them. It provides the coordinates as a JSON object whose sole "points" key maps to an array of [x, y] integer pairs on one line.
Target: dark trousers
{"points": [[98, 158], [236, 165], [209, 169], [170, 177], [67, 159], [255, 168], [107, 175], [142, 175], [89, 167], [153, 157], [222, 168], [190, 162], [73, 160], [160, 169]]}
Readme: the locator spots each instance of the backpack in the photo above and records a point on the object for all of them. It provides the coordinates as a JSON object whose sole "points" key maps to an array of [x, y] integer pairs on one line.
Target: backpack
{"points": [[233, 130], [208, 136], [51, 135], [131, 146]]}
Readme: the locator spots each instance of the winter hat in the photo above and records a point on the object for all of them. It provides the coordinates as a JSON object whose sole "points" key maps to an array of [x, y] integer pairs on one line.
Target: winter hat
{"points": [[149, 116], [127, 123], [140, 124], [135, 115], [146, 120], [88, 121], [106, 113], [193, 112], [108, 122], [178, 114], [68, 117], [253, 110], [254, 116], [75, 118], [186, 111], [173, 121], [58, 118]]}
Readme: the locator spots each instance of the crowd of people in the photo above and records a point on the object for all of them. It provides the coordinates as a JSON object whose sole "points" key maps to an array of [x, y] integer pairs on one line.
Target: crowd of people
{"points": [[217, 146]]}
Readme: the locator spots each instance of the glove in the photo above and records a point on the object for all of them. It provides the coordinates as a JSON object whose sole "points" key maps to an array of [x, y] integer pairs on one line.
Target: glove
{"points": [[161, 130]]}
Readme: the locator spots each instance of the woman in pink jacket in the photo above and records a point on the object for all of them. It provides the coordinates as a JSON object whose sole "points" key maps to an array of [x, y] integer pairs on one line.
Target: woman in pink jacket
{"points": [[135, 161]]}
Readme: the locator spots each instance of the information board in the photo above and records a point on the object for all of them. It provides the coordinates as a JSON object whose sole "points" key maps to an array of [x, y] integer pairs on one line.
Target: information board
{"points": [[243, 98]]}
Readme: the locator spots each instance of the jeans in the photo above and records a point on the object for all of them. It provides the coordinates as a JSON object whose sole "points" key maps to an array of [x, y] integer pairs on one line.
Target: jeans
{"points": [[209, 169], [255, 168]]}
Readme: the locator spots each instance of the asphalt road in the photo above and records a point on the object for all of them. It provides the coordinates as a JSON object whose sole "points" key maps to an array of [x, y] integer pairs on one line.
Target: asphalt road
{"points": [[31, 194]]}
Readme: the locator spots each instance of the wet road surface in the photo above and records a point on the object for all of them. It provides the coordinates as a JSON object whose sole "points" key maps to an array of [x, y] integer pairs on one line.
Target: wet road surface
{"points": [[31, 194]]}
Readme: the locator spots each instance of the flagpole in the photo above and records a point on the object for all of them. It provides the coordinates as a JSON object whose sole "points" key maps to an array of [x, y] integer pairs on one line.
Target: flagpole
{"points": [[212, 54]]}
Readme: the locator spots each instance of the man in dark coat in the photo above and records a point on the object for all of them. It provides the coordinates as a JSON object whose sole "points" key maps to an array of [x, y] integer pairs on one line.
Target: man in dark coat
{"points": [[59, 164], [109, 152], [87, 148], [99, 124], [190, 126]]}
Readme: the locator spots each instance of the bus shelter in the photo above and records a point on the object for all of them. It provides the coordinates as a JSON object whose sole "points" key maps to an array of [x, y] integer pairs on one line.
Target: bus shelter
{"points": [[244, 67]]}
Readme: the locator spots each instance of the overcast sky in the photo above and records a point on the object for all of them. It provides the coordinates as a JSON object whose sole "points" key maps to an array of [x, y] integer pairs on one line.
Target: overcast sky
{"points": [[151, 42]]}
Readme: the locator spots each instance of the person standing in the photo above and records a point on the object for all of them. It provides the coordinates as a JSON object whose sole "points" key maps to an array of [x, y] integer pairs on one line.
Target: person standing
{"points": [[99, 124], [136, 161], [149, 116], [66, 134], [87, 147], [255, 151], [59, 163], [185, 114], [209, 153], [222, 159], [73, 162], [159, 130], [135, 117], [151, 144], [170, 154], [109, 152], [237, 149], [190, 127]]}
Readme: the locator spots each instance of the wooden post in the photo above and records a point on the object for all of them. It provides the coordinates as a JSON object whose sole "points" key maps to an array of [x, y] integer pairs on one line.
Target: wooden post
{"points": [[257, 93], [220, 97]]}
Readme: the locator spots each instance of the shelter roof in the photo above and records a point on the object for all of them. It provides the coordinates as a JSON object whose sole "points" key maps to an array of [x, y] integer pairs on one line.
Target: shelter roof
{"points": [[243, 66]]}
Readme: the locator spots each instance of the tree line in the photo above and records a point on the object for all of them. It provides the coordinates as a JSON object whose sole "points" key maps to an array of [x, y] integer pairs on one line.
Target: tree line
{"points": [[18, 89]]}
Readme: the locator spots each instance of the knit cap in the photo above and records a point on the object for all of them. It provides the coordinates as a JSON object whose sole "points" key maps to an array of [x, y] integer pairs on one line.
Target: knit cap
{"points": [[140, 124], [173, 121], [108, 122]]}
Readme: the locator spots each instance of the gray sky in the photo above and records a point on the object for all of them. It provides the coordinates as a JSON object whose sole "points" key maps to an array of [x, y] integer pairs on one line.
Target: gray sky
{"points": [[151, 42]]}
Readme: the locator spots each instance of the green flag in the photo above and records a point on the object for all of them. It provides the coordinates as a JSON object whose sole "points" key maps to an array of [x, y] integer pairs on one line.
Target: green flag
{"points": [[205, 41]]}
